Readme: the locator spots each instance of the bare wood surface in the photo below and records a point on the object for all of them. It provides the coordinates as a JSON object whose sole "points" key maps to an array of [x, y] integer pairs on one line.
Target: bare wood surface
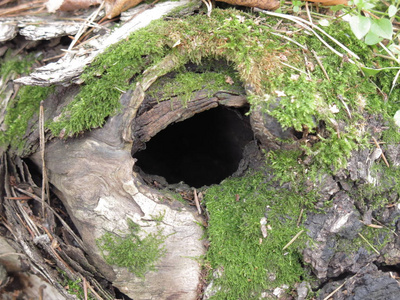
{"points": [[67, 70]]}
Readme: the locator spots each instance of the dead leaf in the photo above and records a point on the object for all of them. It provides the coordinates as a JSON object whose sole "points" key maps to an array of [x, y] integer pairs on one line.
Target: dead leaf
{"points": [[263, 4], [334, 109], [54, 244], [280, 93], [283, 57], [295, 76], [115, 7], [229, 80], [263, 228], [177, 43], [310, 66], [69, 5]]}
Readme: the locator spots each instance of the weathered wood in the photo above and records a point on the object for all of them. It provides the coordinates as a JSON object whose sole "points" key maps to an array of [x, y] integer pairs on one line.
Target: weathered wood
{"points": [[67, 70], [149, 123]]}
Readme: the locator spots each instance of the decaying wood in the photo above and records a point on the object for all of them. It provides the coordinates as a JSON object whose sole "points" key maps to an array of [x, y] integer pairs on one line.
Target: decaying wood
{"points": [[159, 117], [36, 28], [103, 201], [67, 70], [111, 194], [34, 237], [28, 8]]}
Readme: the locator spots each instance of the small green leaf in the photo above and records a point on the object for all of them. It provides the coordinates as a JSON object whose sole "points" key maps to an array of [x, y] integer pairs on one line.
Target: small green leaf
{"points": [[373, 72], [382, 28], [363, 4], [338, 7], [392, 10], [360, 26], [372, 39], [370, 71]]}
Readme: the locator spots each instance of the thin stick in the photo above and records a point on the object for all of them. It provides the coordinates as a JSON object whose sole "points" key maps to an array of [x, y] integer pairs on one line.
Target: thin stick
{"points": [[19, 198], [293, 239], [345, 106], [85, 288], [373, 248], [27, 7], [41, 288], [294, 68], [335, 291], [85, 24], [196, 201], [383, 155], [394, 232], [394, 81], [90, 287], [321, 65], [300, 216], [307, 67], [290, 40], [42, 146], [77, 239], [308, 13], [305, 24]]}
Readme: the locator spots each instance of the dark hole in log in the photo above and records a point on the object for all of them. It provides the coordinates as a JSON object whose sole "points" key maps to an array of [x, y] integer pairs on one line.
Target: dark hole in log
{"points": [[202, 150]]}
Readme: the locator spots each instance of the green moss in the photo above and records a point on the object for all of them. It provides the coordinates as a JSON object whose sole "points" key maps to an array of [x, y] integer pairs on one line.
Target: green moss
{"points": [[286, 165], [16, 65], [378, 238], [247, 46], [237, 246], [138, 254], [106, 77], [183, 84], [22, 108], [20, 111]]}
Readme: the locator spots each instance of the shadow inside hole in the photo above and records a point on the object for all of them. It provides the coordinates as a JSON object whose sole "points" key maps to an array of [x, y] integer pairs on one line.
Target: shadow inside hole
{"points": [[202, 150]]}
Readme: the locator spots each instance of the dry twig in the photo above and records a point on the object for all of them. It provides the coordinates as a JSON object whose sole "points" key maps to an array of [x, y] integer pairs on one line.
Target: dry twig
{"points": [[77, 239], [23, 9], [293, 239], [45, 183], [300, 217], [383, 155], [321, 65], [196, 201], [369, 244]]}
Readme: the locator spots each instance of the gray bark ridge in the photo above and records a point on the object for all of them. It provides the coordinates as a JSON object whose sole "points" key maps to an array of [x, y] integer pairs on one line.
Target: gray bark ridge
{"points": [[93, 176], [67, 70]]}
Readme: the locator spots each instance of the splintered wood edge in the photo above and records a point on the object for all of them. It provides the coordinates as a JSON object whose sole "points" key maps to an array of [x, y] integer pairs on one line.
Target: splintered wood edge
{"points": [[68, 69]]}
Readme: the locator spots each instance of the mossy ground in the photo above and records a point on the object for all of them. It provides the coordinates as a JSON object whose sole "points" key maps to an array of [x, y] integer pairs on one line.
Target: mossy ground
{"points": [[249, 263]]}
